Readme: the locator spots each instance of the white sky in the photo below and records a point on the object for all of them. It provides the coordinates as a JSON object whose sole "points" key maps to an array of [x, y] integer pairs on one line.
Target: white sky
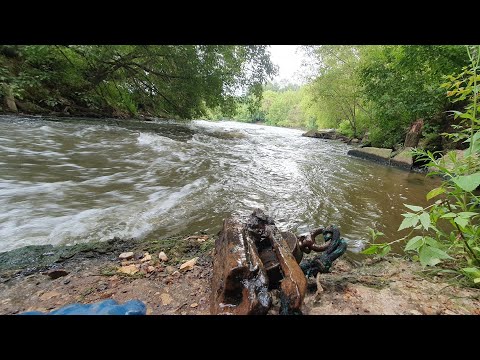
{"points": [[288, 61]]}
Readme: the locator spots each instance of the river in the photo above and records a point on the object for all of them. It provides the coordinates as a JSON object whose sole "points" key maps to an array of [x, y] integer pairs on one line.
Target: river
{"points": [[70, 181]]}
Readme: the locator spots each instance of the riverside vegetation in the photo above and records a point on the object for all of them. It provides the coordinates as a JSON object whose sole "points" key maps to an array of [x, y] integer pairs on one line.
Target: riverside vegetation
{"points": [[446, 232]]}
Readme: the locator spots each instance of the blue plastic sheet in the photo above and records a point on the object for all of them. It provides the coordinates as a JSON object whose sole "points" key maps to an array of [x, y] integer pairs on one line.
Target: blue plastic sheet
{"points": [[106, 307]]}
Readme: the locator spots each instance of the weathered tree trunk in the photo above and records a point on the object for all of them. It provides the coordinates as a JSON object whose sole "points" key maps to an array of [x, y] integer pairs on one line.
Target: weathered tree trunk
{"points": [[414, 133], [251, 259], [9, 99], [239, 281]]}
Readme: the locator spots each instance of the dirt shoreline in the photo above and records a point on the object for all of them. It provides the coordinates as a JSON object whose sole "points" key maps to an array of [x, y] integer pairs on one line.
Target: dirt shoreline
{"points": [[377, 286]]}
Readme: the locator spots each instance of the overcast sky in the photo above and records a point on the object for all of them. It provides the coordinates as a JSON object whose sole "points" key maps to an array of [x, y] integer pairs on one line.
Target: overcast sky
{"points": [[288, 60]]}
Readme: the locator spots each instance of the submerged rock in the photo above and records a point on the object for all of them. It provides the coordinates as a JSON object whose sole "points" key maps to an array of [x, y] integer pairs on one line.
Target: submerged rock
{"points": [[321, 134], [403, 159]]}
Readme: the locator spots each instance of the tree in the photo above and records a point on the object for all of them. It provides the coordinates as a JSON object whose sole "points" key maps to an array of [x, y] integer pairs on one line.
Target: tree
{"points": [[336, 87], [402, 83], [169, 80]]}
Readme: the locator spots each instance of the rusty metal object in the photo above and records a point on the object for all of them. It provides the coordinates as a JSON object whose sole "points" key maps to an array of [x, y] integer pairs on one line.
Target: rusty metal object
{"points": [[239, 281], [251, 259], [333, 248]]}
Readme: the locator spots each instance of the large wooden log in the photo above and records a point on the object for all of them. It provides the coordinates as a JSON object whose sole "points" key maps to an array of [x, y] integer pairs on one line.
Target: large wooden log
{"points": [[239, 281]]}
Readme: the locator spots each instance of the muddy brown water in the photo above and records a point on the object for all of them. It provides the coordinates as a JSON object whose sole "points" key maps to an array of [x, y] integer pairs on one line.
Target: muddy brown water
{"points": [[79, 180]]}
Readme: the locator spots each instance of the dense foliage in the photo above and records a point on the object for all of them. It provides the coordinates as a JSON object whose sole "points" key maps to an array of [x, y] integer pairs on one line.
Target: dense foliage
{"points": [[174, 81], [447, 232], [372, 89]]}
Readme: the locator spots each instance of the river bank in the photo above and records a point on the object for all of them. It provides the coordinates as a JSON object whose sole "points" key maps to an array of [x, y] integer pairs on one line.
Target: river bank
{"points": [[93, 272]]}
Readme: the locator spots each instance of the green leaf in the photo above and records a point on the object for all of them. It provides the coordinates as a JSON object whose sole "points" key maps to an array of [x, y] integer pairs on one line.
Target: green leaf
{"points": [[449, 215], [408, 222], [432, 242], [435, 192], [370, 250], [466, 214], [439, 253], [472, 272], [425, 220], [468, 182], [461, 221], [427, 256], [414, 243], [385, 250], [477, 280], [413, 207]]}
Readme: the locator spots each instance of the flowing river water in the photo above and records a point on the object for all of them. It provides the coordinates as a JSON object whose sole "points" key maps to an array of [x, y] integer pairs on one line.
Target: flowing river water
{"points": [[70, 181]]}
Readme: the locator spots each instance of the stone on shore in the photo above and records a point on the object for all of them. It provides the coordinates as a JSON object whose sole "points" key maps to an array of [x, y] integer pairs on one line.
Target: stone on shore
{"points": [[126, 255], [162, 256], [321, 134], [403, 159], [372, 153]]}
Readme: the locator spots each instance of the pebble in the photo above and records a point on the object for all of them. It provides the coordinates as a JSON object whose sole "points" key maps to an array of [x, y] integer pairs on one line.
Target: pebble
{"points": [[194, 305], [170, 269], [166, 299], [126, 255], [146, 257], [162, 256], [188, 265]]}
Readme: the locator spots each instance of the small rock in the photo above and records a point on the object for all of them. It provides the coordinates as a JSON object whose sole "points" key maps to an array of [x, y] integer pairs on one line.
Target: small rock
{"points": [[102, 286], [150, 269], [126, 255], [138, 255], [183, 313], [146, 257], [194, 305], [199, 238], [415, 312], [66, 281], [170, 269], [166, 299], [129, 269], [56, 273], [48, 295], [157, 293], [188, 265], [162, 256]]}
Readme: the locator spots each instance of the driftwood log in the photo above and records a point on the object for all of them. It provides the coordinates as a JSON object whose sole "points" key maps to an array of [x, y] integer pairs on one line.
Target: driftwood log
{"points": [[250, 260]]}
